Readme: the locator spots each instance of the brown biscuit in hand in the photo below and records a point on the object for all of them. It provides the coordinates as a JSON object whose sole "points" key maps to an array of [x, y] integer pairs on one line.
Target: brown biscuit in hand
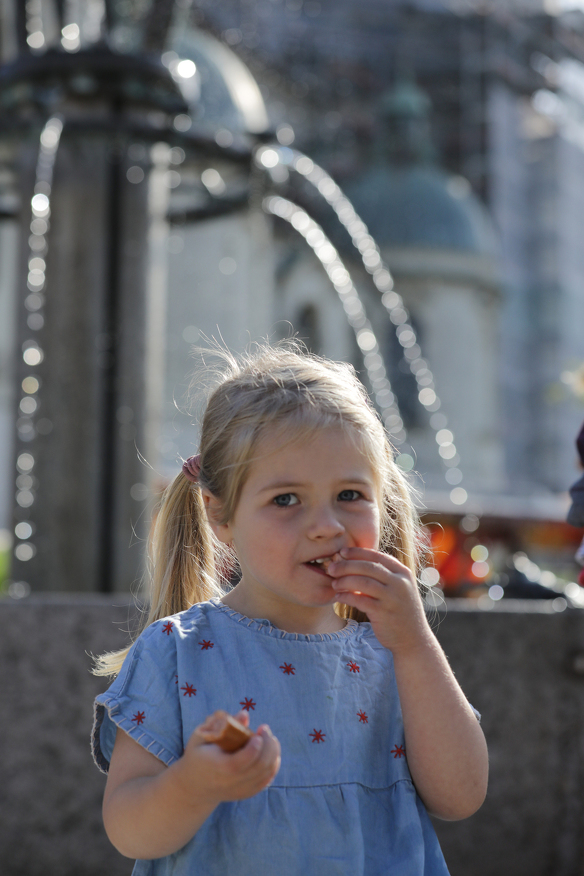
{"points": [[223, 730]]}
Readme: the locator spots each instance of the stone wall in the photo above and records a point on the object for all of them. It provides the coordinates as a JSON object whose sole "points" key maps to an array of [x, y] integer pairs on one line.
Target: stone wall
{"points": [[520, 664]]}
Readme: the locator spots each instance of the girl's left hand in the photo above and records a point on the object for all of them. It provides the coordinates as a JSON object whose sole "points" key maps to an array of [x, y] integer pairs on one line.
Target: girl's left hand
{"points": [[382, 587]]}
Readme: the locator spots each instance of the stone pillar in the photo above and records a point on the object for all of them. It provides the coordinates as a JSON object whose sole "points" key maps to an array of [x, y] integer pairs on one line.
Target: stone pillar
{"points": [[87, 485]]}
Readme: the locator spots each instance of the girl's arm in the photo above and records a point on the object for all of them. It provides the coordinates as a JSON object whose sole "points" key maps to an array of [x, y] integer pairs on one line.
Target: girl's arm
{"points": [[445, 746], [151, 810]]}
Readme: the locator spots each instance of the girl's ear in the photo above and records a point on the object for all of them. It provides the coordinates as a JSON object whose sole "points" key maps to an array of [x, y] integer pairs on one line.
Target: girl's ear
{"points": [[213, 511]]}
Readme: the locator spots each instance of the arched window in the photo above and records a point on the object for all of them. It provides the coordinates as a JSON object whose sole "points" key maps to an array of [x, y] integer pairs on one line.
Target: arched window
{"points": [[307, 327], [402, 380]]}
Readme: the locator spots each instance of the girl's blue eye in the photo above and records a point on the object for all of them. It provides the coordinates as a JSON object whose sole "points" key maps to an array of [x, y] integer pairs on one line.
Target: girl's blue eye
{"points": [[285, 500], [349, 495]]}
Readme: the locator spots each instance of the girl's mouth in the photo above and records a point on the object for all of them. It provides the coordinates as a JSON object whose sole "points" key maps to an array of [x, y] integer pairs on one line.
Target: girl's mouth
{"points": [[321, 565]]}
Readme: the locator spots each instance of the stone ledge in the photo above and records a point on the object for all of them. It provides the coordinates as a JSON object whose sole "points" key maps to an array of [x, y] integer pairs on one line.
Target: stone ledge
{"points": [[516, 663]]}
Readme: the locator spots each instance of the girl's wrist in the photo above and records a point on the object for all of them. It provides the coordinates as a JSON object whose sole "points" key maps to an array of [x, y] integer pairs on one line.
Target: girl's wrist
{"points": [[191, 797], [421, 645]]}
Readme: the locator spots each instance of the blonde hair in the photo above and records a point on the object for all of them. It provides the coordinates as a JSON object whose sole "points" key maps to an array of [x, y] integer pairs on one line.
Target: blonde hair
{"points": [[280, 388]]}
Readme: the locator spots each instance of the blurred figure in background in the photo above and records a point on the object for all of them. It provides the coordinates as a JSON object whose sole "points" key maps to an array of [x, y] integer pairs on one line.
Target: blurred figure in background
{"points": [[576, 512]]}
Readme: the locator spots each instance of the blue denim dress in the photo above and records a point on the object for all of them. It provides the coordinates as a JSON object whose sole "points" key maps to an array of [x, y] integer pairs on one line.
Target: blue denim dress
{"points": [[343, 801]]}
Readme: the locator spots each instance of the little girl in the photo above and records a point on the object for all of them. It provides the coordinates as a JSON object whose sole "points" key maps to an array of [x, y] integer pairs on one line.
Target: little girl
{"points": [[322, 647]]}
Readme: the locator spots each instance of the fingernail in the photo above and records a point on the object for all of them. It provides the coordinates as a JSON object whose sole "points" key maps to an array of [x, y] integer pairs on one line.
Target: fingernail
{"points": [[344, 552]]}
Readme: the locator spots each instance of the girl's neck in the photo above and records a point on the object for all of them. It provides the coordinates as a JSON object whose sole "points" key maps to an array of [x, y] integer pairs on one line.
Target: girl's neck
{"points": [[290, 618]]}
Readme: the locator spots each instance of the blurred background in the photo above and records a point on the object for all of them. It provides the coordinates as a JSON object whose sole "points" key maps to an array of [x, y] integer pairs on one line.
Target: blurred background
{"points": [[153, 193], [399, 183]]}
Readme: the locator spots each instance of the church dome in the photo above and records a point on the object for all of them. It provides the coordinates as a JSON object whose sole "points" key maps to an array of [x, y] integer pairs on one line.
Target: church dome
{"points": [[404, 197], [421, 206], [227, 95]]}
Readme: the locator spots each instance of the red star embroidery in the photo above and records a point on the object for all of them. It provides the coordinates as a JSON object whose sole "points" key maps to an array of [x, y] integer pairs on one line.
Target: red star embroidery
{"points": [[353, 667], [139, 717], [287, 669], [363, 719], [398, 751], [189, 690], [167, 628], [205, 645], [247, 704], [176, 677], [317, 735]]}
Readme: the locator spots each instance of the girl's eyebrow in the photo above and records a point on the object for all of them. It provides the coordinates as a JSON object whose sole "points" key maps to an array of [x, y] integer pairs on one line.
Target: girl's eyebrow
{"points": [[293, 485], [280, 485]]}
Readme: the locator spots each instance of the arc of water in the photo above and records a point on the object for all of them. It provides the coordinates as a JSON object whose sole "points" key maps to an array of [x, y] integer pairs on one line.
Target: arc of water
{"points": [[270, 156], [352, 305], [31, 17], [27, 427]]}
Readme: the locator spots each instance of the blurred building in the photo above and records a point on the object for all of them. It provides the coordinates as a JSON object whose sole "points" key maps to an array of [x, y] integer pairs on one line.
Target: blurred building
{"points": [[506, 90]]}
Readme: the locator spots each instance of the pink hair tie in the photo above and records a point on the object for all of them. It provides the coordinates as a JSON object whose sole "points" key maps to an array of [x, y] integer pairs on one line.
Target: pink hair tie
{"points": [[192, 468]]}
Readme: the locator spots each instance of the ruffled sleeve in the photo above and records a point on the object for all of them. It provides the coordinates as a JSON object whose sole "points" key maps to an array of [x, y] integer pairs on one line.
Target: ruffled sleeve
{"points": [[143, 700]]}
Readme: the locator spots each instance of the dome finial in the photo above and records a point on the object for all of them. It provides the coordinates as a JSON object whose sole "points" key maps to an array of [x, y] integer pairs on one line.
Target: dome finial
{"points": [[405, 113]]}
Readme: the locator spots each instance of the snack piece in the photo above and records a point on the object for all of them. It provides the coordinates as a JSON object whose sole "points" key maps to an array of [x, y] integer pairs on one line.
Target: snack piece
{"points": [[326, 561], [223, 730]]}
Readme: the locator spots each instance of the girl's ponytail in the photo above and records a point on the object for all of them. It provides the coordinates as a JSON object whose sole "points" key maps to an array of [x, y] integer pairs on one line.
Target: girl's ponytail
{"points": [[182, 559]]}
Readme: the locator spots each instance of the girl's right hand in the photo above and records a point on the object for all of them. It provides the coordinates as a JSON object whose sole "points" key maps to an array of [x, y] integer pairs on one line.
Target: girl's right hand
{"points": [[223, 776], [151, 810]]}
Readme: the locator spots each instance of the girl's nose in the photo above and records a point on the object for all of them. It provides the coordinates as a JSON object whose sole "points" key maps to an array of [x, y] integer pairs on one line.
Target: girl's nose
{"points": [[325, 524]]}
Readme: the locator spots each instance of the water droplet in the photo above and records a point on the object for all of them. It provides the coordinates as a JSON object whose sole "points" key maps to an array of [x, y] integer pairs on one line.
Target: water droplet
{"points": [[427, 396], [479, 553], [285, 134], [24, 552], [430, 576], [268, 157], [25, 498], [40, 205], [30, 385], [19, 590], [470, 523], [405, 461], [135, 174], [191, 334], [23, 530], [480, 570], [227, 266], [36, 40], [35, 321], [304, 165], [224, 138], [496, 592], [28, 405], [33, 356], [458, 496], [186, 69], [39, 226], [213, 181], [139, 492], [172, 178], [182, 122], [34, 301], [453, 476], [366, 340], [25, 462]]}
